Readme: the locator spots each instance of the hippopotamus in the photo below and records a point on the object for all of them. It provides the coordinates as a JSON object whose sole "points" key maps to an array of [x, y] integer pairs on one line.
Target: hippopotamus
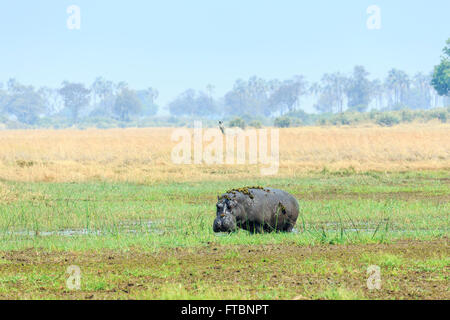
{"points": [[257, 210]]}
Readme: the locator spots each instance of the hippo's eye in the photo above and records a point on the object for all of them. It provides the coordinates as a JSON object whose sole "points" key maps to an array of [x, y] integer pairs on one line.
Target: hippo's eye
{"points": [[231, 204]]}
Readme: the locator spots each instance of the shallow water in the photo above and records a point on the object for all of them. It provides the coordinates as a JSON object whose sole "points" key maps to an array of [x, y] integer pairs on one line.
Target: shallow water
{"points": [[149, 226], [124, 227]]}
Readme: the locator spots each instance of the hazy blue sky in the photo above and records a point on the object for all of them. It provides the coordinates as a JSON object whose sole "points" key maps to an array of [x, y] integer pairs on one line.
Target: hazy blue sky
{"points": [[175, 45]]}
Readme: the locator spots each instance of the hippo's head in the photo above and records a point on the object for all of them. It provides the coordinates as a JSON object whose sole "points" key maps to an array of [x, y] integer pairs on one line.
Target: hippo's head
{"points": [[226, 215]]}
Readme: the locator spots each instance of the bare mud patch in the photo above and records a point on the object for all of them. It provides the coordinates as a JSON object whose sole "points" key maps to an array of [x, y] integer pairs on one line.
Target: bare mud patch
{"points": [[409, 270]]}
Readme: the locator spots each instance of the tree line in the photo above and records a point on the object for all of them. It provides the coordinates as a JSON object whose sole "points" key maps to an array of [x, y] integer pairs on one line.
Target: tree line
{"points": [[76, 101], [255, 97], [334, 93]]}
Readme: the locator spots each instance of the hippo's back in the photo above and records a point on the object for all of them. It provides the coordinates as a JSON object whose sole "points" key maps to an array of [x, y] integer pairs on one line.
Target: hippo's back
{"points": [[270, 207], [277, 196]]}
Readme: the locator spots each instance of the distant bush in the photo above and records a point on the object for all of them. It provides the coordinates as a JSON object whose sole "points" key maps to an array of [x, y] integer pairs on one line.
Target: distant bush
{"points": [[407, 115], [441, 115], [291, 119], [301, 117], [237, 123], [282, 122], [255, 124], [342, 119], [387, 120], [374, 114]]}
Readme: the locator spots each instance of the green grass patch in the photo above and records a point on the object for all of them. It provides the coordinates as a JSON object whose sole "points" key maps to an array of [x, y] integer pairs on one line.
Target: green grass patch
{"points": [[335, 208]]}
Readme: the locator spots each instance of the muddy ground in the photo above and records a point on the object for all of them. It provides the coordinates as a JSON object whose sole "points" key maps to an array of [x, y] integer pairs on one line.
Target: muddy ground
{"points": [[409, 270]]}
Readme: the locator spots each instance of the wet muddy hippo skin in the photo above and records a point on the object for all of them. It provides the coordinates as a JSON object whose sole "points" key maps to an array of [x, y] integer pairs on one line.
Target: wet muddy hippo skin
{"points": [[257, 210]]}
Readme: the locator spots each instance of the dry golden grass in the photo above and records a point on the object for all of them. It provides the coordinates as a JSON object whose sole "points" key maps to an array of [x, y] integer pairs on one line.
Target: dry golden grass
{"points": [[6, 194], [144, 155]]}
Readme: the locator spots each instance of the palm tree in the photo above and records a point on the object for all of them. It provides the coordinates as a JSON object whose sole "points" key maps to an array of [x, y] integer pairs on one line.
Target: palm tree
{"points": [[334, 85], [378, 92], [397, 82]]}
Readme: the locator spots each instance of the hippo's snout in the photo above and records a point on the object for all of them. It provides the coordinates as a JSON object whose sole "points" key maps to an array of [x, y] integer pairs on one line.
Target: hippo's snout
{"points": [[225, 223], [217, 227]]}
